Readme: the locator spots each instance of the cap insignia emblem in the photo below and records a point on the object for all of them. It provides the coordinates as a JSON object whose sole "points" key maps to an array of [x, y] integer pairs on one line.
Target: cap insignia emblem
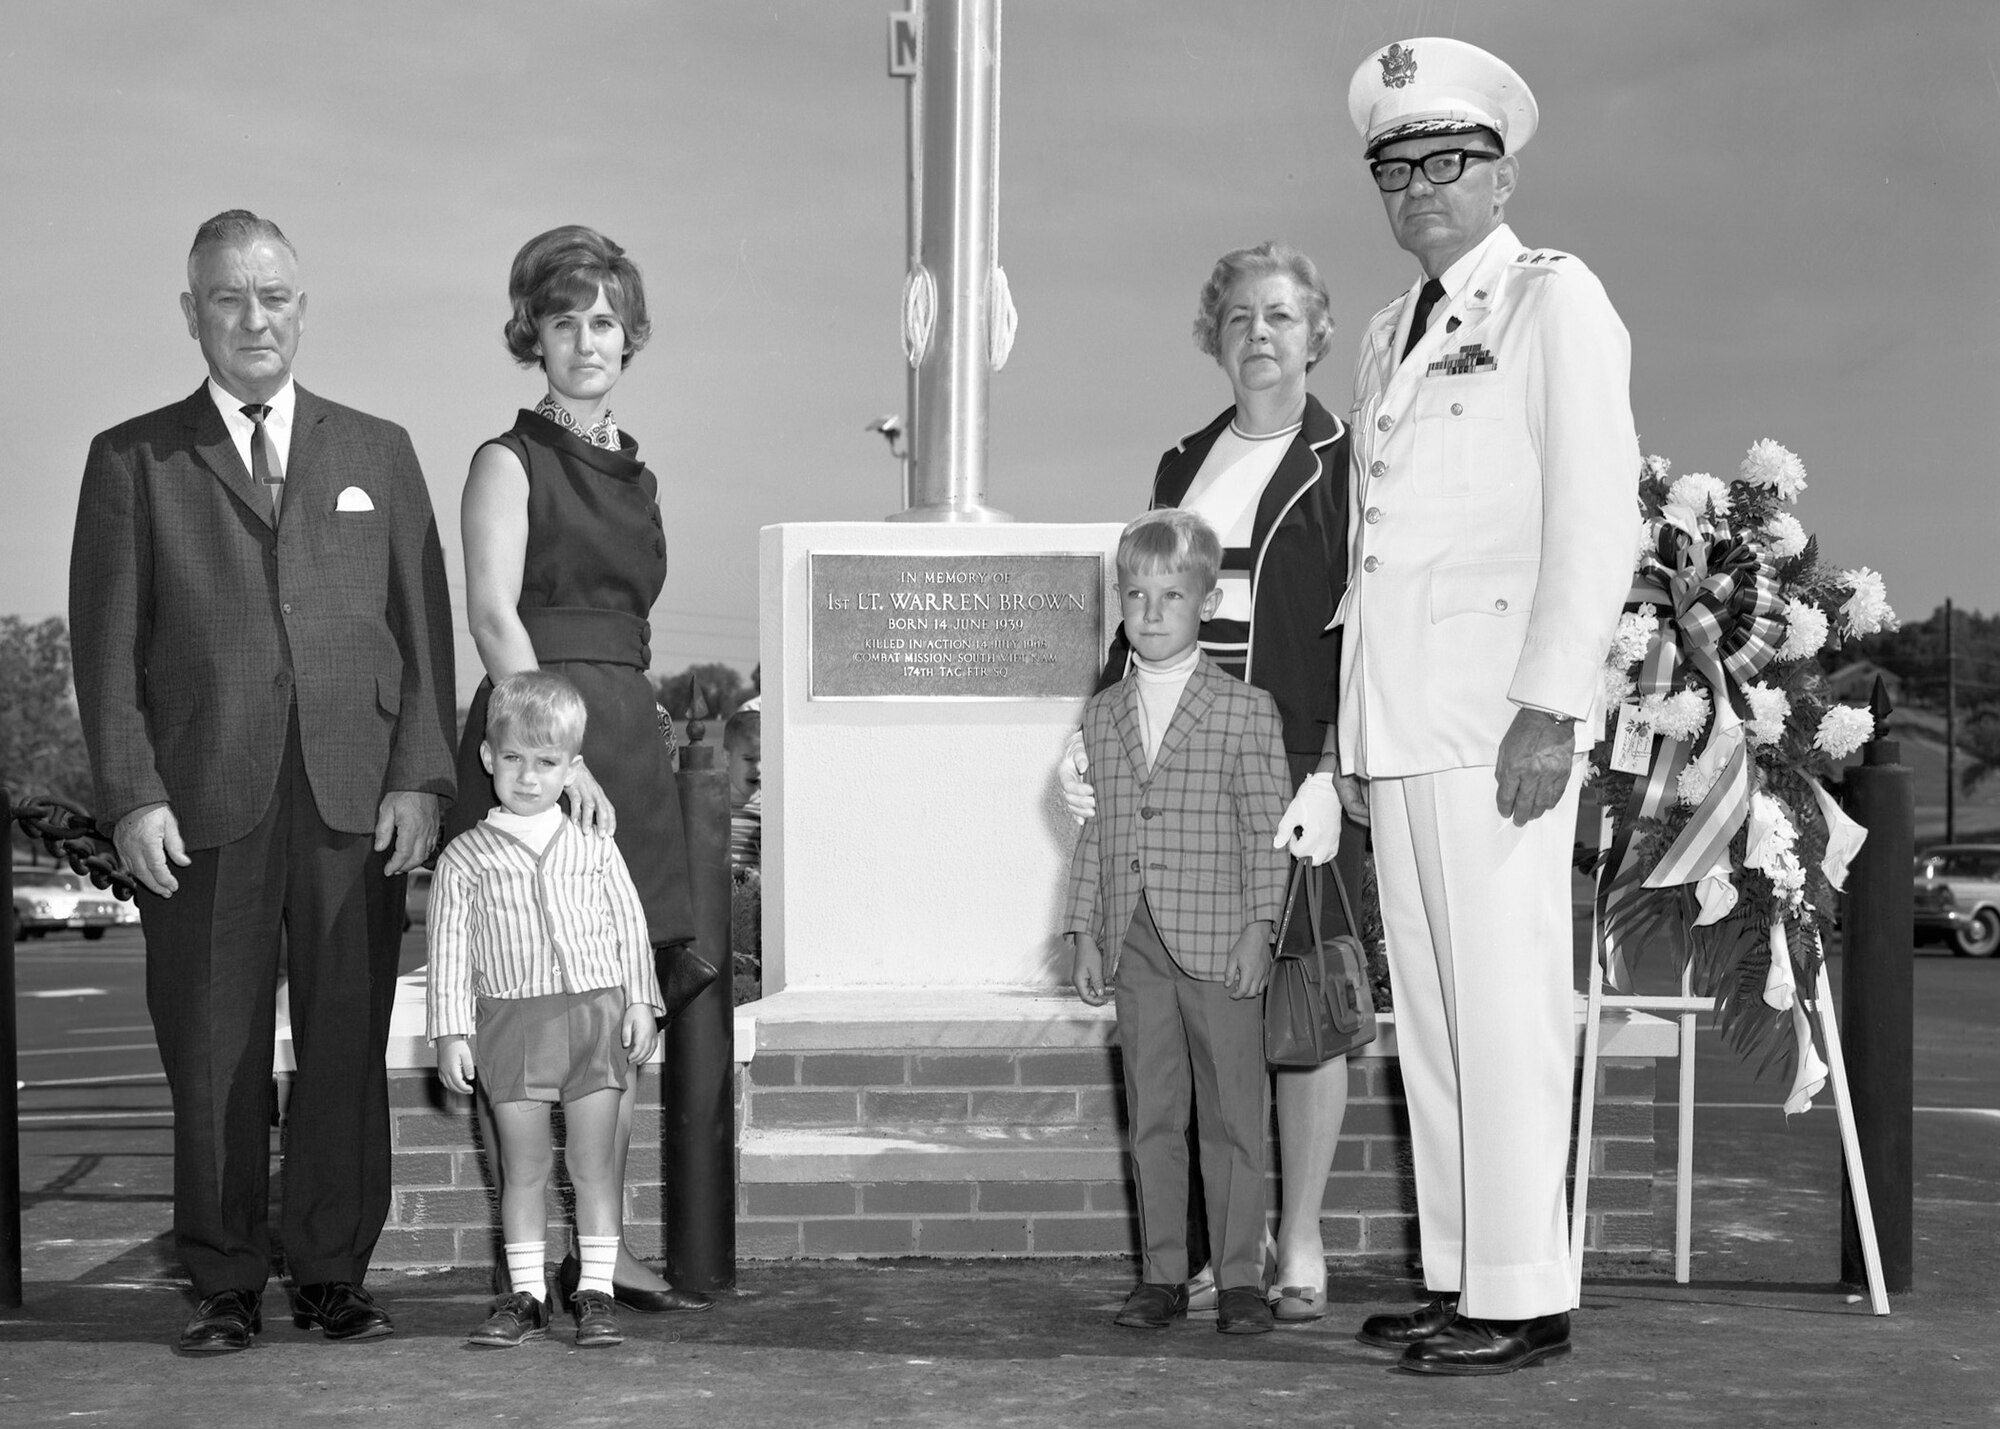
{"points": [[1399, 66]]}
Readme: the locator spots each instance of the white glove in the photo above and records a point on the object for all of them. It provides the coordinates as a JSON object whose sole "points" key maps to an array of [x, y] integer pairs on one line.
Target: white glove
{"points": [[1311, 827], [1078, 796]]}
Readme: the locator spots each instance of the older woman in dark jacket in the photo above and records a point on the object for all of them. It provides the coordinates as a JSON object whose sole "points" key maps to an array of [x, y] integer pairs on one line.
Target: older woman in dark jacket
{"points": [[1270, 475]]}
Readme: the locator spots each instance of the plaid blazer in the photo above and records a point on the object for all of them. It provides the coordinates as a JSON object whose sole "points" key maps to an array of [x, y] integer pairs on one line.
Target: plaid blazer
{"points": [[1193, 832], [196, 623]]}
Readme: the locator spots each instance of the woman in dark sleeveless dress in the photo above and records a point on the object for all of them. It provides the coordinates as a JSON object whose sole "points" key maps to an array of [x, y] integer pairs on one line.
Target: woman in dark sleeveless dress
{"points": [[564, 557]]}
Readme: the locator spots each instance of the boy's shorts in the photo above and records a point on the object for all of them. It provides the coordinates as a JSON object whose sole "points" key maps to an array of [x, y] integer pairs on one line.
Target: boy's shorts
{"points": [[551, 1049]]}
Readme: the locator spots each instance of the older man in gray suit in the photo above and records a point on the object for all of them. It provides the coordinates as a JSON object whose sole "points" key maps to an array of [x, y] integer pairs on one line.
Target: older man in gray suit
{"points": [[264, 669]]}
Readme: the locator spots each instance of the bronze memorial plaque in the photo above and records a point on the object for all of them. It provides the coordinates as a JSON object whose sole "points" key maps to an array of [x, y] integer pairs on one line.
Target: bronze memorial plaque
{"points": [[1028, 626]]}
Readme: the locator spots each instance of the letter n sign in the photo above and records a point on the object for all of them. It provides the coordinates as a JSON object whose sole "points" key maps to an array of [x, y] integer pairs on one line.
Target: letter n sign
{"points": [[903, 44]]}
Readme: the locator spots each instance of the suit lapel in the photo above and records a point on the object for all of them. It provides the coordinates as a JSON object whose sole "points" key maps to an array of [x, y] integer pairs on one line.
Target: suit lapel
{"points": [[1192, 709], [216, 450], [1127, 721], [1297, 470], [308, 414], [1177, 472]]}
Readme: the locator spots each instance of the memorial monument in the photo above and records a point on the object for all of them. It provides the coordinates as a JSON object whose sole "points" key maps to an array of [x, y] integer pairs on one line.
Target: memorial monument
{"points": [[921, 674]]}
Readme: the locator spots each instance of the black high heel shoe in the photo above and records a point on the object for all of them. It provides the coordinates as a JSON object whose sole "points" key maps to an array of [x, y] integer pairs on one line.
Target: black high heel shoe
{"points": [[647, 1302]]}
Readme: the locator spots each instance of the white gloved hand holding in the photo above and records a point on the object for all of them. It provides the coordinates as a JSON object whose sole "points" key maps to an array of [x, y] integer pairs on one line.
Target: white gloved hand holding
{"points": [[1311, 826], [1078, 796]]}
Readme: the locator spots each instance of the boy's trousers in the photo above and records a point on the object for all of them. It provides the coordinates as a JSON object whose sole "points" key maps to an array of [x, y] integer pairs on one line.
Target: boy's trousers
{"points": [[1183, 1039]]}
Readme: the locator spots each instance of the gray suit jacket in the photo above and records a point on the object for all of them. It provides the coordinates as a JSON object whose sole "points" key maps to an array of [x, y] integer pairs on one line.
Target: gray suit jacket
{"points": [[1192, 830], [196, 624]]}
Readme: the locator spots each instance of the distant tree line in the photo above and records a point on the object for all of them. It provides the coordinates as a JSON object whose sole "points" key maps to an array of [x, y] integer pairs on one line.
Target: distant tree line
{"points": [[41, 738], [1916, 655], [723, 690]]}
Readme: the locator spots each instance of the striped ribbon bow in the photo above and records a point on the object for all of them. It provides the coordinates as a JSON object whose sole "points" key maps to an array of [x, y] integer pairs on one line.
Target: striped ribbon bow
{"points": [[1720, 616]]}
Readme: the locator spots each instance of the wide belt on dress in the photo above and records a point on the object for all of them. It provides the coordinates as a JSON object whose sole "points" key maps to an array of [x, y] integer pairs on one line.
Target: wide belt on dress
{"points": [[605, 637]]}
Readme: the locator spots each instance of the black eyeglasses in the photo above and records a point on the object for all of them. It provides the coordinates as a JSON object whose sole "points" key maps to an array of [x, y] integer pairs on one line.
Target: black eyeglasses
{"points": [[1440, 166]]}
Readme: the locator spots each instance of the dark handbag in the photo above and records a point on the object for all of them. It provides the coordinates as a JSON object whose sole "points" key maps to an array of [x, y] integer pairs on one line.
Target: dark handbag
{"points": [[684, 975], [1317, 1005]]}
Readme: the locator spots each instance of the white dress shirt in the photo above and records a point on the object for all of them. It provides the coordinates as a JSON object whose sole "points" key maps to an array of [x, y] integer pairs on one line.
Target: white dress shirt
{"points": [[277, 423]]}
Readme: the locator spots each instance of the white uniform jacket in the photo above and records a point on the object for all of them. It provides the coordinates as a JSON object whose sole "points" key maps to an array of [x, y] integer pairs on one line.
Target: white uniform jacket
{"points": [[1493, 516]]}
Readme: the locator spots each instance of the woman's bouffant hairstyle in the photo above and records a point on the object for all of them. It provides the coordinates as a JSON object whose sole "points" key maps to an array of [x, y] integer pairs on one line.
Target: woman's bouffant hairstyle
{"points": [[560, 272], [539, 708], [1233, 267], [1168, 541]]}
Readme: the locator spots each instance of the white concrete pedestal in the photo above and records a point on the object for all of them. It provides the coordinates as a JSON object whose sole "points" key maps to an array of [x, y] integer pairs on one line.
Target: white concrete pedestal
{"points": [[910, 843]]}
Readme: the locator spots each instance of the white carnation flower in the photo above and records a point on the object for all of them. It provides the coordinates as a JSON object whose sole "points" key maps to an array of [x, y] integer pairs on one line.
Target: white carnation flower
{"points": [[1682, 715], [1634, 638], [1769, 464], [1769, 709], [1786, 535], [1658, 468], [1867, 609], [1844, 729], [1649, 544], [1772, 850], [1805, 632], [1616, 685], [1695, 781], [1700, 493]]}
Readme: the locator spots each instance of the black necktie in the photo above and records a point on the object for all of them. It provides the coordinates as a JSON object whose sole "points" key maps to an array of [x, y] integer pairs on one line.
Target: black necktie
{"points": [[264, 459], [1430, 297]]}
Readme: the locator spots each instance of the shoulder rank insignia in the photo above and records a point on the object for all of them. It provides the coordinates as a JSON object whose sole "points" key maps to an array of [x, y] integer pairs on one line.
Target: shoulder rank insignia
{"points": [[1399, 66], [1463, 363]]}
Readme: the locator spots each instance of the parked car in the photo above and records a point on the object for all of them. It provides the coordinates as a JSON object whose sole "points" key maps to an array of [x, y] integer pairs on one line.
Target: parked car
{"points": [[1958, 898], [50, 899]]}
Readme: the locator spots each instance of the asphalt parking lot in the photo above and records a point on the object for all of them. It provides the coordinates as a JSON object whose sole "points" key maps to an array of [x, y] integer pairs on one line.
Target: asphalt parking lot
{"points": [[1763, 1334]]}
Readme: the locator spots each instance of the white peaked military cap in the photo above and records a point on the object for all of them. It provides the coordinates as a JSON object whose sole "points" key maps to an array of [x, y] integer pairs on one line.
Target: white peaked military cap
{"points": [[1437, 86]]}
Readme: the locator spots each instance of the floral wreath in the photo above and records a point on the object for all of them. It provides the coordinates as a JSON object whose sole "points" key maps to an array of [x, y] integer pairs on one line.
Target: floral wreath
{"points": [[1724, 843]]}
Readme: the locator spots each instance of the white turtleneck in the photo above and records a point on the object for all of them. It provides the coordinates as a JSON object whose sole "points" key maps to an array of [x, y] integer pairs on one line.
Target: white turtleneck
{"points": [[534, 830], [1156, 694]]}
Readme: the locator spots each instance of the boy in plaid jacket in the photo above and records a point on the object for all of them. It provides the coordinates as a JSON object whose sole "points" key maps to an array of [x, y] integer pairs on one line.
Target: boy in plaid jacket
{"points": [[1174, 889]]}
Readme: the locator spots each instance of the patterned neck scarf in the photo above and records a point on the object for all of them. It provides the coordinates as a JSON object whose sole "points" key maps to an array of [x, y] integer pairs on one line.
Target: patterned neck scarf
{"points": [[601, 433]]}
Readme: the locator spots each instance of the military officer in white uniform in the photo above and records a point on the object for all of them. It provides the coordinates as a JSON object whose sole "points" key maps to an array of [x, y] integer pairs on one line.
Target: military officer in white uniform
{"points": [[1493, 521]]}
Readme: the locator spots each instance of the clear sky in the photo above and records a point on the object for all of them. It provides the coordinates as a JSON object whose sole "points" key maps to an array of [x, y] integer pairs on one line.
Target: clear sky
{"points": [[1792, 203]]}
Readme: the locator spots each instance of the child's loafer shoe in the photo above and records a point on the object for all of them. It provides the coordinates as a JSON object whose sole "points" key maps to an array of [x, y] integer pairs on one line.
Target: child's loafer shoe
{"points": [[1242, 1310], [596, 1320], [516, 1319], [1153, 1307]]}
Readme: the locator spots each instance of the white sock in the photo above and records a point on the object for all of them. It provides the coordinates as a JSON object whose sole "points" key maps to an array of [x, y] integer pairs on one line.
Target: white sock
{"points": [[525, 1270], [596, 1255]]}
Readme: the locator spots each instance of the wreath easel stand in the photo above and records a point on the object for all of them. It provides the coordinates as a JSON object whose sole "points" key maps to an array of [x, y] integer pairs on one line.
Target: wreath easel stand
{"points": [[1686, 1007]]}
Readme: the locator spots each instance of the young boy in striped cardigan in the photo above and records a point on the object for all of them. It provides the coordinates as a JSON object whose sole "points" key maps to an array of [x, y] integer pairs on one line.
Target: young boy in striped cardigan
{"points": [[542, 989]]}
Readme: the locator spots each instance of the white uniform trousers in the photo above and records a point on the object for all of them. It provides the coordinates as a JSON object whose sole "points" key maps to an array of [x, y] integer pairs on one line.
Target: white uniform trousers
{"points": [[1477, 914]]}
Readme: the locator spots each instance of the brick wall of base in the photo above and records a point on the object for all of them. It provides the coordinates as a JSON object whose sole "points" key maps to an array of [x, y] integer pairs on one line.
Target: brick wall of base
{"points": [[976, 1152]]}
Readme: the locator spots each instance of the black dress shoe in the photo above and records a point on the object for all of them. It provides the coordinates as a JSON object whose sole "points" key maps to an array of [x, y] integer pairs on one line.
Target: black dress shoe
{"points": [[342, 1310], [1399, 1332], [646, 1302], [1243, 1310], [223, 1322], [1153, 1307], [1489, 1346]]}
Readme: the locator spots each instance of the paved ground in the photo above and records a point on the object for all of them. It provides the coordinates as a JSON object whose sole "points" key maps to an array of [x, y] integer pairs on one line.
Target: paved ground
{"points": [[1762, 1335]]}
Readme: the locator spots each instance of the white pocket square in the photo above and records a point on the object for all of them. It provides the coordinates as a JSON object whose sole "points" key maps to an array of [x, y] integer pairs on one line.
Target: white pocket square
{"points": [[353, 499]]}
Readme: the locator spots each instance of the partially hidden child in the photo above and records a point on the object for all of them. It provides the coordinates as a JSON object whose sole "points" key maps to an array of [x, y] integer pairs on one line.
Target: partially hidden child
{"points": [[542, 990], [1173, 891]]}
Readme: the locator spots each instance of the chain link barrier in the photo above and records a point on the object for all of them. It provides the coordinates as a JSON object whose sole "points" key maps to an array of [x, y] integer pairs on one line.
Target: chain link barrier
{"points": [[70, 833]]}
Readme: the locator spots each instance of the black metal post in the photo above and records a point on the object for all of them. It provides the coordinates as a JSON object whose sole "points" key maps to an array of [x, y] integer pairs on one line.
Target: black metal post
{"points": [[10, 1095], [699, 1064], [1876, 998]]}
